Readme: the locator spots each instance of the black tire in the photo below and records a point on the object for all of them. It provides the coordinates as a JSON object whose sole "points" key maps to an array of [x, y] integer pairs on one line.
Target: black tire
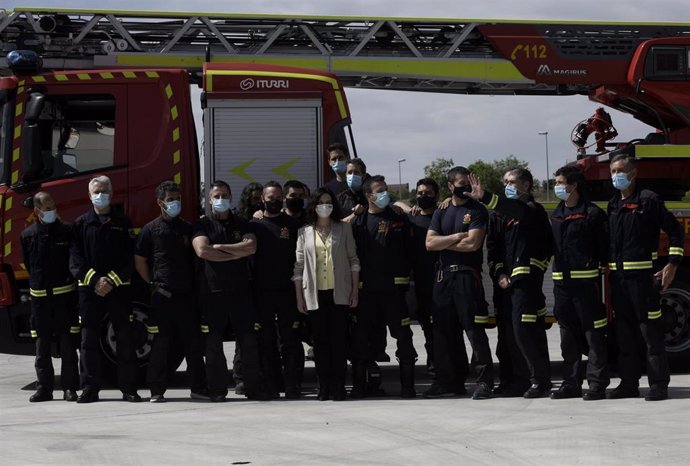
{"points": [[675, 308]]}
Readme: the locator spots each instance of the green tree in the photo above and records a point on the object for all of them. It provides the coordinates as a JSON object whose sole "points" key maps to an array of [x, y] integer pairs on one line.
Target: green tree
{"points": [[492, 179], [437, 171]]}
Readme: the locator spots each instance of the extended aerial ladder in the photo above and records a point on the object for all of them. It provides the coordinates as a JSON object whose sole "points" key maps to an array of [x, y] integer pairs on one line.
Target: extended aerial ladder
{"points": [[431, 55]]}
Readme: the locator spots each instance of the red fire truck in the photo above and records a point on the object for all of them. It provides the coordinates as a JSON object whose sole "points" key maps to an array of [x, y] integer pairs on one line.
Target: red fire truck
{"points": [[116, 100]]}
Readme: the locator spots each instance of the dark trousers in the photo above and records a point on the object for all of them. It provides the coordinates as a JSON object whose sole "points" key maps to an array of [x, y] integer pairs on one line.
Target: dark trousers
{"points": [[280, 339], [424, 306], [528, 302], [582, 320], [375, 305], [459, 305], [512, 368], [329, 325], [637, 320], [220, 310], [93, 310], [170, 317], [56, 315]]}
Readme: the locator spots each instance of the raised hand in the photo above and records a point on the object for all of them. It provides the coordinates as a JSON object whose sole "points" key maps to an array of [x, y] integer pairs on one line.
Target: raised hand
{"points": [[477, 189]]}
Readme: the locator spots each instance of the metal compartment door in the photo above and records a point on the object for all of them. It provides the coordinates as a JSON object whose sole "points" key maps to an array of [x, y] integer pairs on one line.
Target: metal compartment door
{"points": [[265, 140]]}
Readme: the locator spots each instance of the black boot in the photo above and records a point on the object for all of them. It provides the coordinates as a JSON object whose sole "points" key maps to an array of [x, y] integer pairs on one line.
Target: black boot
{"points": [[359, 380], [407, 380]]}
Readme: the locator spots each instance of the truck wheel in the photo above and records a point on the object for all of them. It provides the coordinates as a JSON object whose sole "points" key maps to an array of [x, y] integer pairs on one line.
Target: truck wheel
{"points": [[675, 308], [142, 343]]}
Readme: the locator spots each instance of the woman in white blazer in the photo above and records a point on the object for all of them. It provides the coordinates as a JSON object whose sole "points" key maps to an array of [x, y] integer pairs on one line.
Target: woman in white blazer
{"points": [[326, 277]]}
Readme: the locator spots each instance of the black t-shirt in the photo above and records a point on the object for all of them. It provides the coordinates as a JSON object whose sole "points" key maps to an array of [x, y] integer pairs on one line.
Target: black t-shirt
{"points": [[455, 219], [336, 186], [229, 275], [423, 261], [167, 244], [276, 240]]}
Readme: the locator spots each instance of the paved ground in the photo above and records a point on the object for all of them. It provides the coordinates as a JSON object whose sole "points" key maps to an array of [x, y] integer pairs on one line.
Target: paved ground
{"points": [[374, 431]]}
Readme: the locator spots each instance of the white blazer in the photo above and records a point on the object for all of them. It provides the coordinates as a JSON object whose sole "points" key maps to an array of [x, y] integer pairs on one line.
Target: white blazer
{"points": [[345, 261]]}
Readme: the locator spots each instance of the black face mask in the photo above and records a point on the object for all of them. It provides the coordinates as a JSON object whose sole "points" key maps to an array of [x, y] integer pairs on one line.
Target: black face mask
{"points": [[274, 206], [460, 191], [294, 204], [426, 202]]}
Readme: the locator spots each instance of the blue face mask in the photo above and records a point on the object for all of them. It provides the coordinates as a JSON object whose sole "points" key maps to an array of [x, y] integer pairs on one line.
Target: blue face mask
{"points": [[339, 166], [382, 199], [511, 192], [561, 193], [48, 216], [220, 205], [354, 181], [100, 200], [620, 181], [173, 208]]}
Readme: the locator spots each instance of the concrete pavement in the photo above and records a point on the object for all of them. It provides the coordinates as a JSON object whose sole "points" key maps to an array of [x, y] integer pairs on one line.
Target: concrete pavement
{"points": [[377, 431]]}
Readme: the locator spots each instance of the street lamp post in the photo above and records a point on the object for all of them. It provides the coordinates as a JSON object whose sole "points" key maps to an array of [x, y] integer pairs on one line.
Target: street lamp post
{"points": [[400, 161], [548, 173]]}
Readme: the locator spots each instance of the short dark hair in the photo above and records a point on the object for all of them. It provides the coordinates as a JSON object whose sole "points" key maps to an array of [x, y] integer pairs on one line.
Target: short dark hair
{"points": [[629, 160], [310, 211], [294, 184], [455, 171], [572, 174], [337, 146], [366, 186], [428, 182], [523, 174], [220, 184], [360, 163], [39, 197], [166, 187], [272, 184]]}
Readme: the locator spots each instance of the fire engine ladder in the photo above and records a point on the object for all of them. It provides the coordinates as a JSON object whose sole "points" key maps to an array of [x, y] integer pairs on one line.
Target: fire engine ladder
{"points": [[431, 55]]}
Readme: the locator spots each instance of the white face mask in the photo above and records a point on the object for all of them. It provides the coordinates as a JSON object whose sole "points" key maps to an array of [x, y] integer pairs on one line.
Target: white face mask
{"points": [[221, 205], [324, 210], [100, 200]]}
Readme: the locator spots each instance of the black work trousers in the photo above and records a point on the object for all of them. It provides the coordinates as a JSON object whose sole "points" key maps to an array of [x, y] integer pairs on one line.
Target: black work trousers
{"points": [[424, 306], [171, 317], [637, 320], [512, 367], [528, 312], [386, 305], [459, 305], [282, 353], [93, 310], [582, 321], [220, 310], [56, 315], [329, 325]]}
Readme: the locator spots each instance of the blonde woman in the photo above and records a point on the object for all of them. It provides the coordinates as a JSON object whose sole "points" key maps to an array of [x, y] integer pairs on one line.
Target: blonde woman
{"points": [[326, 277]]}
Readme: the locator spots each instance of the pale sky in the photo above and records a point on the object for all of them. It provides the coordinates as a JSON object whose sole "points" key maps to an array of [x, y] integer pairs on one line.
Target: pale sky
{"points": [[420, 127]]}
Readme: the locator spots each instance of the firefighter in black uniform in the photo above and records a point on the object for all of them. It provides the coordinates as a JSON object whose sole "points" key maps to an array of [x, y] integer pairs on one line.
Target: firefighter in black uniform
{"points": [[224, 241], [458, 296], [529, 246], [424, 263], [102, 259], [352, 201], [635, 218], [382, 238], [580, 233], [282, 353], [513, 373], [45, 249], [164, 258]]}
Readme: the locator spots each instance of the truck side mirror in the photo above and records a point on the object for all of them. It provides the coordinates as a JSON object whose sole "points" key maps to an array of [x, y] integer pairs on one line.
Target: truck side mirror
{"points": [[31, 138]]}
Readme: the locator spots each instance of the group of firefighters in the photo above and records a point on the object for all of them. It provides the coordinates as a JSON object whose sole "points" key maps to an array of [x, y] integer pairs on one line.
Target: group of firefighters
{"points": [[251, 269]]}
